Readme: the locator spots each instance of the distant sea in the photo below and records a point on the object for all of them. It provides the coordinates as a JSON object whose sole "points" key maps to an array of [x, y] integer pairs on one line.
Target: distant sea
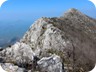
{"points": [[11, 32]]}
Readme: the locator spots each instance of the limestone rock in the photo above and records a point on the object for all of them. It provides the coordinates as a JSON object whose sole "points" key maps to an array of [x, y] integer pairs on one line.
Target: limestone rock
{"points": [[51, 64], [20, 54], [8, 67], [72, 37]]}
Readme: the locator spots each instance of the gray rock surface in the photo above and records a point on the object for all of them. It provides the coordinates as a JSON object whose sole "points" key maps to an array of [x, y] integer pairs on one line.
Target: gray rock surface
{"points": [[71, 37], [51, 64], [8, 67], [19, 54]]}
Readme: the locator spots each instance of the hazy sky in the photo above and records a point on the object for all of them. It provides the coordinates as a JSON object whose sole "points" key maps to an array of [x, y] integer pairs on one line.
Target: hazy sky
{"points": [[34, 9]]}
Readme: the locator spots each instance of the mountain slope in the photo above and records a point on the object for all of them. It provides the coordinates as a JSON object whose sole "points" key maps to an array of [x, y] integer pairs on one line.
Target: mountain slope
{"points": [[67, 43], [73, 35]]}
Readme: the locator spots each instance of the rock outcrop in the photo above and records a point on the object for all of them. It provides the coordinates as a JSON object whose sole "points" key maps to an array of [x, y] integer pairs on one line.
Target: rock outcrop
{"points": [[51, 64], [21, 58], [9, 67], [18, 58], [72, 38], [18, 53]]}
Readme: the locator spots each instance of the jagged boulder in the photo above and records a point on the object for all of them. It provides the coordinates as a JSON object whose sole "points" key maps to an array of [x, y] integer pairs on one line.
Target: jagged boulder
{"points": [[19, 54], [51, 64]]}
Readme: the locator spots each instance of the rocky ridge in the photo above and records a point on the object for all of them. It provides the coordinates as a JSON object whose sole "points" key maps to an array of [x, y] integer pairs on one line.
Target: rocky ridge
{"points": [[64, 44]]}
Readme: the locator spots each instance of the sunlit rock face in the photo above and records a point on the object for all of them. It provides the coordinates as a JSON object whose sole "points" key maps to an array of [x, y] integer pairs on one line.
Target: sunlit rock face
{"points": [[51, 64], [73, 35], [72, 38], [18, 53]]}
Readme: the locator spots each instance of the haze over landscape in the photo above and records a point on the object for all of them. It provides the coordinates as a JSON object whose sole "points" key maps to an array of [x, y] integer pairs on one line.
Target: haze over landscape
{"points": [[16, 16], [47, 36], [56, 44]]}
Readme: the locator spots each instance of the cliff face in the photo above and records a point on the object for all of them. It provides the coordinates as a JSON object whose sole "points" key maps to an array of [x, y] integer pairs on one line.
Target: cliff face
{"points": [[71, 37]]}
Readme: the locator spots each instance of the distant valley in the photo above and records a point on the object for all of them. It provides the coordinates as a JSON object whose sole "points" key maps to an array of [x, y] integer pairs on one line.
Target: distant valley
{"points": [[10, 32]]}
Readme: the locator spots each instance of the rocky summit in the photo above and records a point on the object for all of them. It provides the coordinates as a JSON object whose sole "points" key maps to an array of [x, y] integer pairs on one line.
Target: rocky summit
{"points": [[58, 44]]}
